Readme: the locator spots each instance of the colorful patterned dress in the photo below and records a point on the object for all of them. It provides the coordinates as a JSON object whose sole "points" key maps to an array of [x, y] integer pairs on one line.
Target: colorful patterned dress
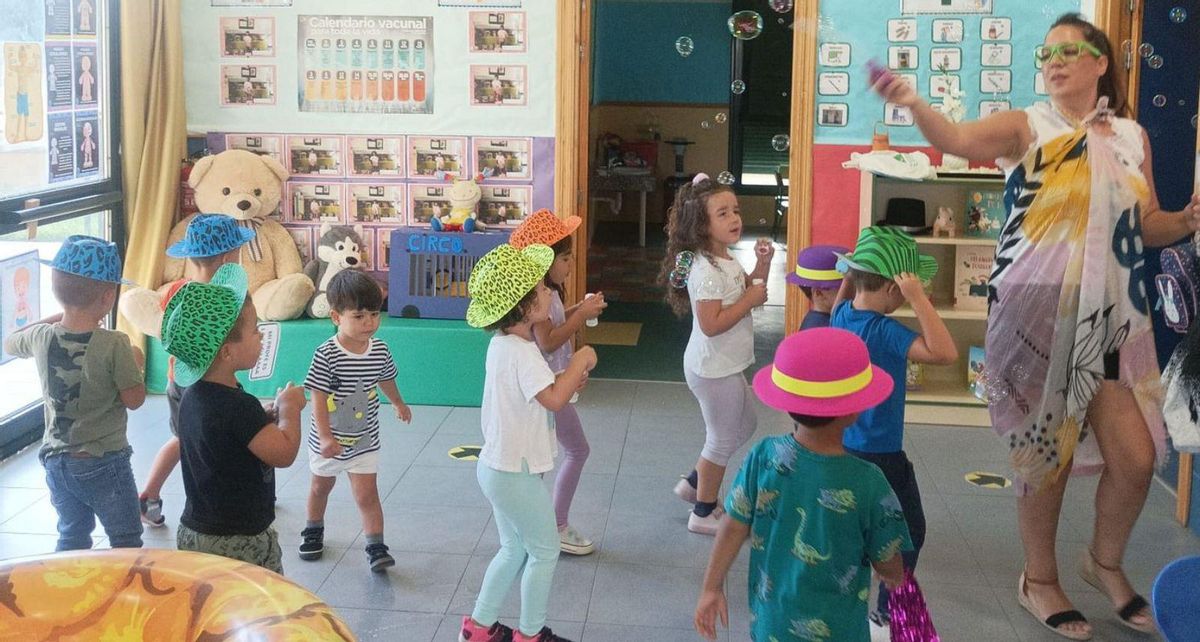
{"points": [[1067, 289]]}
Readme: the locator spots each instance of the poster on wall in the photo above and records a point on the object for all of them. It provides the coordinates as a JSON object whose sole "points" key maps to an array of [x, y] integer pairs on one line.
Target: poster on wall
{"points": [[61, 151], [87, 143], [367, 64], [377, 204], [261, 144], [247, 85], [303, 236], [58, 17], [481, 4], [910, 7], [503, 158], [503, 85], [84, 13], [498, 32], [314, 203], [434, 157], [376, 155], [58, 76], [504, 204], [19, 295], [315, 155], [247, 36], [427, 201], [85, 74], [24, 114]]}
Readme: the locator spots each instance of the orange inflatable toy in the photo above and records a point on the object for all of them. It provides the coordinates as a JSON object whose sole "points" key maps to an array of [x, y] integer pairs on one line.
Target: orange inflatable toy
{"points": [[162, 595]]}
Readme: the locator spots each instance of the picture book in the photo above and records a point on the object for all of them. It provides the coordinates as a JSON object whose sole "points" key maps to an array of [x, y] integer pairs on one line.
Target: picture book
{"points": [[985, 213], [974, 366], [972, 268]]}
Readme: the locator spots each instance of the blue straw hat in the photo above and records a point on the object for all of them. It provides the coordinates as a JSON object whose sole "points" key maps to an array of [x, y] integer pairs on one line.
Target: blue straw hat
{"points": [[210, 235], [89, 257]]}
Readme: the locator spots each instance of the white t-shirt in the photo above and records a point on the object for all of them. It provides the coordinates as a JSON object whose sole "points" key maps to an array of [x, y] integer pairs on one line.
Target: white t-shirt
{"points": [[731, 351], [515, 426]]}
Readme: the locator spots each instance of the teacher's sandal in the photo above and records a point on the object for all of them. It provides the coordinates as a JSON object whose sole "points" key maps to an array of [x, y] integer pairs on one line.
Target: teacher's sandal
{"points": [[1056, 620], [1137, 604]]}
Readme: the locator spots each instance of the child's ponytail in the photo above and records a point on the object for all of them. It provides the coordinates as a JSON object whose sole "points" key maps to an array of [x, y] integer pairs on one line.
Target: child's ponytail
{"points": [[687, 238]]}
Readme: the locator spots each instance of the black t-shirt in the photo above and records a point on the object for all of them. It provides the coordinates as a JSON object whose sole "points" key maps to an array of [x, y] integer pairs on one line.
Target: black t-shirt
{"points": [[229, 490]]}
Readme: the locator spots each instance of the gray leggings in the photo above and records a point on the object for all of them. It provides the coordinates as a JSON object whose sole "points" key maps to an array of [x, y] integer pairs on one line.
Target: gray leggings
{"points": [[729, 419]]}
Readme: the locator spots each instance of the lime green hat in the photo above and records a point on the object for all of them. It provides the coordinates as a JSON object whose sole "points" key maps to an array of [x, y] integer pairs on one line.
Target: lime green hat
{"points": [[199, 317], [501, 278], [887, 251]]}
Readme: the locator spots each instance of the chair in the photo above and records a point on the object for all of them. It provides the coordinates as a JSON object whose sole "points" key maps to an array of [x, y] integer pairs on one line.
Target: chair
{"points": [[1175, 596], [781, 199]]}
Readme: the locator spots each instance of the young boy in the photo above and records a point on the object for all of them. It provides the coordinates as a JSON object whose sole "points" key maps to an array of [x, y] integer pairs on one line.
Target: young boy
{"points": [[344, 436], [884, 272], [211, 240], [818, 520], [91, 377], [229, 444], [817, 277]]}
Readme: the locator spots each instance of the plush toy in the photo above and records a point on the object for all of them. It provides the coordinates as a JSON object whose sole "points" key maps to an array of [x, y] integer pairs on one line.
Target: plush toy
{"points": [[247, 187], [944, 223], [339, 248], [464, 195]]}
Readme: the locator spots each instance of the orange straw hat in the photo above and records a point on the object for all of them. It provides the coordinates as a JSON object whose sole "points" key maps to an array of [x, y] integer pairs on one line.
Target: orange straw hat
{"points": [[543, 227]]}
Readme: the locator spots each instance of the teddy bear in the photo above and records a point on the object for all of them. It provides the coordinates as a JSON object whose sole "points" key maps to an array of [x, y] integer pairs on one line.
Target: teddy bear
{"points": [[248, 187], [339, 248], [464, 195]]}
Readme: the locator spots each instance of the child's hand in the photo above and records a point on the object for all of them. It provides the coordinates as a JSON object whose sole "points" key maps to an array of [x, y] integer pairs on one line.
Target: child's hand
{"points": [[712, 604], [910, 286], [290, 397], [330, 448], [593, 305], [587, 354], [403, 412], [272, 411], [756, 294]]}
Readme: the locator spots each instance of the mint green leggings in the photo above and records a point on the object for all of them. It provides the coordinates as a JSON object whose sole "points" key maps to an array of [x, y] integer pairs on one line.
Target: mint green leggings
{"points": [[524, 516]]}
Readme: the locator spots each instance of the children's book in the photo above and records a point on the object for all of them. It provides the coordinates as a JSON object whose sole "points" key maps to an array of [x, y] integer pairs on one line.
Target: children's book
{"points": [[974, 366], [972, 268], [985, 213]]}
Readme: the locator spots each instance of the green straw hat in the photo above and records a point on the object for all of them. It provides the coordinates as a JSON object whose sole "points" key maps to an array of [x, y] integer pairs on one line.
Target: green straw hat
{"points": [[887, 251], [502, 278], [198, 319]]}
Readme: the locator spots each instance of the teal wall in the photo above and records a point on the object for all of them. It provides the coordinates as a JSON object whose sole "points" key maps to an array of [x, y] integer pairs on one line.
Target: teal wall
{"points": [[634, 57]]}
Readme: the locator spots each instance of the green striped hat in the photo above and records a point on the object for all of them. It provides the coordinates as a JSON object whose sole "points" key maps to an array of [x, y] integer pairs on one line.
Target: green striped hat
{"points": [[887, 251]]}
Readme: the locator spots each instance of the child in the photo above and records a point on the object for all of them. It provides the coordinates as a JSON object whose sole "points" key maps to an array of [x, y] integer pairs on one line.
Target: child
{"points": [[554, 338], [700, 275], [91, 377], [817, 276], [884, 272], [211, 240], [344, 434], [815, 517], [509, 297], [230, 445]]}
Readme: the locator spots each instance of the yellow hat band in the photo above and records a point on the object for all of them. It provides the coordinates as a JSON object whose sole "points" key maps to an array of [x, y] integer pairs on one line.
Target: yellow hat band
{"points": [[818, 275], [821, 389]]}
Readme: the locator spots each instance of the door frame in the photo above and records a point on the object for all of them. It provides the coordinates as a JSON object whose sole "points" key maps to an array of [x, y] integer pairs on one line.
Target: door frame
{"points": [[571, 153]]}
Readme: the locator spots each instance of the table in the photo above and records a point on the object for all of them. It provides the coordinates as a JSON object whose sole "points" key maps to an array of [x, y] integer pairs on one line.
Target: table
{"points": [[640, 183]]}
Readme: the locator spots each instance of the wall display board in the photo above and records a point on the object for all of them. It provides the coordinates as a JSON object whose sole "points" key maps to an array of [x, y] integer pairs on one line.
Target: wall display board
{"points": [[19, 301]]}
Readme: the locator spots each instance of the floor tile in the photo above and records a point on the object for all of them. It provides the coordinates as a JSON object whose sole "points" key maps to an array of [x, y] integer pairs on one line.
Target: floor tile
{"points": [[15, 500], [439, 486], [619, 633], [421, 582], [451, 624], [389, 626], [569, 594], [645, 595], [310, 574], [427, 529]]}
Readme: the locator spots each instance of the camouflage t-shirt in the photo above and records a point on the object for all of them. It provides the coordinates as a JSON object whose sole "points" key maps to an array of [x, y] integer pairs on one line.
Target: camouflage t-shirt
{"points": [[82, 377], [816, 522]]}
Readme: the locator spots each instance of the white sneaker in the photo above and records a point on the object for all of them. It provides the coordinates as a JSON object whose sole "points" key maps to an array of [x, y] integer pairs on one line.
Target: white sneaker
{"points": [[685, 491], [705, 525], [572, 543]]}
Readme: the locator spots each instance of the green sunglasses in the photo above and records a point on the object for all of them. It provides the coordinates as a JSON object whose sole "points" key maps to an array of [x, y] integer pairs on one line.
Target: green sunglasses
{"points": [[1068, 51]]}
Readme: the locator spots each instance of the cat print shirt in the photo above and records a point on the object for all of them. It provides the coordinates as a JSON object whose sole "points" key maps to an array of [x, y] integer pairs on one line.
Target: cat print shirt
{"points": [[350, 380]]}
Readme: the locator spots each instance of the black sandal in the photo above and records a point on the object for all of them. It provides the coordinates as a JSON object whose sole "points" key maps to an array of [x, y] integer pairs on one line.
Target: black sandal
{"points": [[1055, 620], [1133, 607]]}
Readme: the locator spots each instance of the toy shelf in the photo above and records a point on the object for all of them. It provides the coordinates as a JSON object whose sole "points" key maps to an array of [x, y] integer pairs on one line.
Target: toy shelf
{"points": [[956, 240]]}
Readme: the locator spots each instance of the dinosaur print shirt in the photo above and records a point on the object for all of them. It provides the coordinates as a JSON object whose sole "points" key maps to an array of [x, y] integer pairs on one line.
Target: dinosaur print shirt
{"points": [[82, 377], [350, 380], [816, 522]]}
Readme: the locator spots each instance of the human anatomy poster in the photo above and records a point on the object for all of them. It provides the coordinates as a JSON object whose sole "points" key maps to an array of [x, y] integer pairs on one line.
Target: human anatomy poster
{"points": [[19, 290], [365, 64]]}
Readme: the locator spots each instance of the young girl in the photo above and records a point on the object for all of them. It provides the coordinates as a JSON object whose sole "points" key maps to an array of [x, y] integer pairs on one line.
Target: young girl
{"points": [[554, 338], [509, 297], [701, 276]]}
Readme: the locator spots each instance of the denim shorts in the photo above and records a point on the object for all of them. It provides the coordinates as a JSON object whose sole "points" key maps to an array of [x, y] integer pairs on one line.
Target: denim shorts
{"points": [[85, 488]]}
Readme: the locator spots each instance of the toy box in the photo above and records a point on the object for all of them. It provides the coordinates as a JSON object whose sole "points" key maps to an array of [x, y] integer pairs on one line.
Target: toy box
{"points": [[428, 270]]}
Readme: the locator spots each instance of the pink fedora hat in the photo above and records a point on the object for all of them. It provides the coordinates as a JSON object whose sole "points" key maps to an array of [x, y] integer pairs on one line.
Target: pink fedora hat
{"points": [[823, 372]]}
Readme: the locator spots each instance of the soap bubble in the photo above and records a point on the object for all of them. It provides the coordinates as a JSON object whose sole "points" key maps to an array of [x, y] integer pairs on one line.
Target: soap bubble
{"points": [[725, 178], [1194, 121], [1178, 15], [1019, 373], [737, 86], [745, 25], [684, 46], [1145, 50], [781, 142], [720, 118], [1159, 100], [781, 6], [1155, 61], [704, 124]]}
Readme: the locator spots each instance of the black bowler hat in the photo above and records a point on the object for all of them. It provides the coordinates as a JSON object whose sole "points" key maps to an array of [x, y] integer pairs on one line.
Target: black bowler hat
{"points": [[907, 214]]}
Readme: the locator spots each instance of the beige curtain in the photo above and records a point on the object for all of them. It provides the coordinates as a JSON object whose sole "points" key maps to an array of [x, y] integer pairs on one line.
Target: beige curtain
{"points": [[154, 134]]}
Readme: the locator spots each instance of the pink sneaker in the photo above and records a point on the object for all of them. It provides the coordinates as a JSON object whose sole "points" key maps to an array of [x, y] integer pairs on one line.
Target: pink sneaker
{"points": [[685, 491], [545, 635], [472, 632]]}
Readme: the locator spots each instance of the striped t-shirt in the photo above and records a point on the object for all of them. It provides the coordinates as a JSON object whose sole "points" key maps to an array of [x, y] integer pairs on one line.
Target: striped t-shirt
{"points": [[350, 380]]}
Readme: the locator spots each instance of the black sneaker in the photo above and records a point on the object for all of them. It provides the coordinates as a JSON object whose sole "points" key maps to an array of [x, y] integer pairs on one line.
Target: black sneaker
{"points": [[380, 560], [545, 635], [880, 619], [314, 543]]}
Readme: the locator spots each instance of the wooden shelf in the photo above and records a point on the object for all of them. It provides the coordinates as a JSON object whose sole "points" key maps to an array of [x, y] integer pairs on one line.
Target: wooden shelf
{"points": [[947, 313], [957, 240], [944, 392]]}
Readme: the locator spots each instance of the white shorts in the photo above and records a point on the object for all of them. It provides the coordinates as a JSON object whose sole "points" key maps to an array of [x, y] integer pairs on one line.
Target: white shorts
{"points": [[364, 464]]}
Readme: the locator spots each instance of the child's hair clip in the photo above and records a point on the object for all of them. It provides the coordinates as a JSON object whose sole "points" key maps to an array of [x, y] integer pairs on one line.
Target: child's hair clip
{"points": [[683, 267], [700, 177]]}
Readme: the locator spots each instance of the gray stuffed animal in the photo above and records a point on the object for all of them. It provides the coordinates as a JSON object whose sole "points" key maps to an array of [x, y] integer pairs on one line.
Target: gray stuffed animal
{"points": [[339, 248]]}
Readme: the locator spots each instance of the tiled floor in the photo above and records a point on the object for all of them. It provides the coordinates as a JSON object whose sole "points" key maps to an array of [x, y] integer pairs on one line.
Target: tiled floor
{"points": [[643, 581]]}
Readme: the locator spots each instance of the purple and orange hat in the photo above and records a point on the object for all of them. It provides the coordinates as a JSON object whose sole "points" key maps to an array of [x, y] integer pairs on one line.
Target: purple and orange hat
{"points": [[816, 267], [823, 372]]}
